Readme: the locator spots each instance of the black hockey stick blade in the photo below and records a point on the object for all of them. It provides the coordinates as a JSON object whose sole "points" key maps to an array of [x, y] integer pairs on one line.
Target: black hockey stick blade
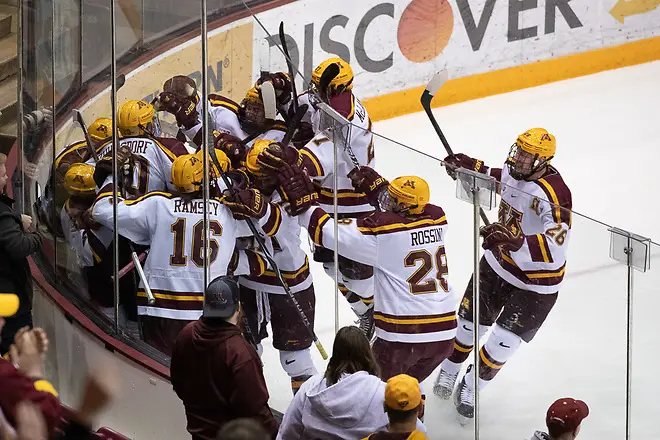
{"points": [[294, 124], [121, 80], [289, 65], [328, 75], [90, 146], [432, 88]]}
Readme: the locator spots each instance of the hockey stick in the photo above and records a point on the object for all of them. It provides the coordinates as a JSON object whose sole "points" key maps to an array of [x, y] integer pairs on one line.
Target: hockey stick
{"points": [[262, 244], [77, 116], [432, 88], [289, 65], [126, 269]]}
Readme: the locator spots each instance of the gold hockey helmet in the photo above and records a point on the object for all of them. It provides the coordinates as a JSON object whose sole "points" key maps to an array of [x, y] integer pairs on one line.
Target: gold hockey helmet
{"points": [[533, 150], [100, 129], [187, 173], [134, 115], [223, 160], [340, 83], [406, 193], [79, 180], [251, 163]]}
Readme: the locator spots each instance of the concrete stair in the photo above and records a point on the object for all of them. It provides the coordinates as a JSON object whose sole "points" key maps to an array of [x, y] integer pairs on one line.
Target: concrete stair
{"points": [[9, 111]]}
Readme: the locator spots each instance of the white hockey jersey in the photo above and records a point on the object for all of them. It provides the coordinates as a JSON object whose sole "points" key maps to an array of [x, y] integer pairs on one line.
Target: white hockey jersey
{"points": [[541, 211], [285, 247], [153, 163], [318, 159], [174, 226], [412, 295], [223, 117]]}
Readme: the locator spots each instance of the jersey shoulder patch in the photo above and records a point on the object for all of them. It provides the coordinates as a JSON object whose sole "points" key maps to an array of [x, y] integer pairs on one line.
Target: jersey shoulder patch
{"points": [[558, 193]]}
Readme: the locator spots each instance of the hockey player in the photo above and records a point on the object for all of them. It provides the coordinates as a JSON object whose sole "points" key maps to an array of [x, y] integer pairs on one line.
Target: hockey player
{"points": [[173, 225], [225, 115], [92, 246], [290, 336], [523, 264], [413, 309], [356, 282], [139, 128]]}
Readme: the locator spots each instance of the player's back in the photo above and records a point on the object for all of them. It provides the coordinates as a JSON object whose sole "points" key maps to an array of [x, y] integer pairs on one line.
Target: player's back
{"points": [[413, 298], [153, 158], [173, 227], [318, 156]]}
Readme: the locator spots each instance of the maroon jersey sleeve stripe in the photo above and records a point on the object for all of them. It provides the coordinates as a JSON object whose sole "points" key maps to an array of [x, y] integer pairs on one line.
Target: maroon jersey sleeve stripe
{"points": [[272, 225], [315, 229]]}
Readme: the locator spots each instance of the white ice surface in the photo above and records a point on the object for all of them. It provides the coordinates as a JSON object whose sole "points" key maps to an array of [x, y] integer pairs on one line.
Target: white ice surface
{"points": [[608, 151]]}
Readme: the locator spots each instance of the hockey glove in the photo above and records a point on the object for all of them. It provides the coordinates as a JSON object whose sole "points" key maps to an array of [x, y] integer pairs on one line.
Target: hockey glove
{"points": [[368, 181], [183, 109], [233, 147], [297, 189], [496, 234], [281, 84], [303, 135], [277, 155], [247, 203], [460, 160], [125, 164]]}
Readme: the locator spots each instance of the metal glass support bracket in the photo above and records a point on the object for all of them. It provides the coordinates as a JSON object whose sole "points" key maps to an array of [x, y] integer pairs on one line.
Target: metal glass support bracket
{"points": [[635, 252], [476, 187], [479, 190]]}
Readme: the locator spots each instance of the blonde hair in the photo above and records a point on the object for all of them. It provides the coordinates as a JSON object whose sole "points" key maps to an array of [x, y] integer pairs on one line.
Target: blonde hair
{"points": [[3, 158]]}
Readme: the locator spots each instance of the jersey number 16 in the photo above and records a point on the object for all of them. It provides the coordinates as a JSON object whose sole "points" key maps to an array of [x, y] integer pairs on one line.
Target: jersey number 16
{"points": [[415, 280], [178, 258]]}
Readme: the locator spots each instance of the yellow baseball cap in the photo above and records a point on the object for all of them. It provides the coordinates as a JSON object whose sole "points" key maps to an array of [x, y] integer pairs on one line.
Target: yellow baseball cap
{"points": [[402, 393], [8, 304]]}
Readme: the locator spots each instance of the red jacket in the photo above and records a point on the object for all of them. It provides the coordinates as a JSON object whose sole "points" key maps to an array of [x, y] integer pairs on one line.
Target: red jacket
{"points": [[16, 387], [219, 377]]}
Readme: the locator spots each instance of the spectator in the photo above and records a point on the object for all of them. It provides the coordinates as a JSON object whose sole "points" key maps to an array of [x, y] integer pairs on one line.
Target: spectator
{"points": [[215, 372], [563, 420], [16, 243], [345, 402], [22, 379], [404, 406], [243, 429]]}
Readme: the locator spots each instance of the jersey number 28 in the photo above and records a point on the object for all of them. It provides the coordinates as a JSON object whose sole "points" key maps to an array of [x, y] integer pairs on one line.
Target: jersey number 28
{"points": [[416, 280], [178, 258]]}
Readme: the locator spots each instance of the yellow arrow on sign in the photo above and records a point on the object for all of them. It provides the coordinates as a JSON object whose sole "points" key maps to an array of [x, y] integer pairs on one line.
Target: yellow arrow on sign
{"points": [[627, 8]]}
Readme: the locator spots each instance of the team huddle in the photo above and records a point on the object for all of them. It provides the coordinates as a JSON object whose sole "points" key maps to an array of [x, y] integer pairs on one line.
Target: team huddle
{"points": [[276, 176]]}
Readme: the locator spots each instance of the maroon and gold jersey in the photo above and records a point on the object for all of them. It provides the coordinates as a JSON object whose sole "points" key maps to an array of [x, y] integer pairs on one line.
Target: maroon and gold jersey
{"points": [[412, 295], [541, 211]]}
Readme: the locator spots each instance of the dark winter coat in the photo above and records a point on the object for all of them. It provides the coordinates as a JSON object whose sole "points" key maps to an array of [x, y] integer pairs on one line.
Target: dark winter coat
{"points": [[219, 377], [15, 246]]}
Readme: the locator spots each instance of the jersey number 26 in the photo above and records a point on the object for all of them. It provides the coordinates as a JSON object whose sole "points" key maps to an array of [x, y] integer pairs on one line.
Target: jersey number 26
{"points": [[416, 280]]}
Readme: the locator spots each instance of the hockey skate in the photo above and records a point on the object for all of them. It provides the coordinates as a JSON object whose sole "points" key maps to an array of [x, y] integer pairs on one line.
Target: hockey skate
{"points": [[367, 324], [444, 384], [464, 400]]}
